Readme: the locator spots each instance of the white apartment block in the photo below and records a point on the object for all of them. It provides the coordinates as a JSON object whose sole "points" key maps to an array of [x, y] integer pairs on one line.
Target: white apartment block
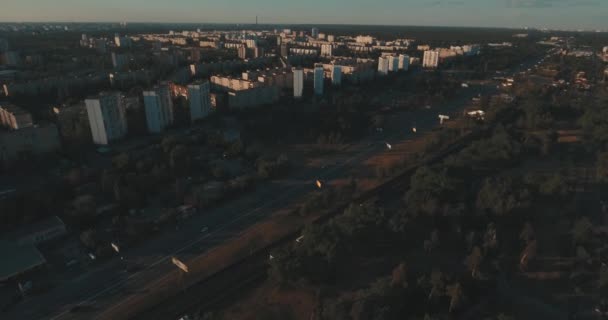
{"points": [[404, 62], [200, 100], [158, 105], [327, 50], [393, 63], [336, 75], [383, 65], [107, 117], [430, 59], [298, 83]]}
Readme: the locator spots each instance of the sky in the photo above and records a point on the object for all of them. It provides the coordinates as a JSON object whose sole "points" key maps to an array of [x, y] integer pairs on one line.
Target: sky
{"points": [[560, 14]]}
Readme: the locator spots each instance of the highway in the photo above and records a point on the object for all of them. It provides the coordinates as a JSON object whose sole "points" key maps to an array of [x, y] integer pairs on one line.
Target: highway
{"points": [[108, 283]]}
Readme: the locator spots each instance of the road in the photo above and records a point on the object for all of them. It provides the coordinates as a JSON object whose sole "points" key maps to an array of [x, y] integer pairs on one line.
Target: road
{"points": [[224, 223]]}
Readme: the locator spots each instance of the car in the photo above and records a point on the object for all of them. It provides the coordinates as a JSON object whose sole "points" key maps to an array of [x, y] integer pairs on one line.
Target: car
{"points": [[204, 229]]}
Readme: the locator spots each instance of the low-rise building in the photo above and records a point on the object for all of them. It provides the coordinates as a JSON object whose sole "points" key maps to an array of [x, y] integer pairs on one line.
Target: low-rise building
{"points": [[14, 117], [33, 140], [252, 97]]}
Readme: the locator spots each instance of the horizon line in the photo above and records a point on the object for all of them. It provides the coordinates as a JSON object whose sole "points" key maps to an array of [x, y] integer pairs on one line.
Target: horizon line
{"points": [[526, 28]]}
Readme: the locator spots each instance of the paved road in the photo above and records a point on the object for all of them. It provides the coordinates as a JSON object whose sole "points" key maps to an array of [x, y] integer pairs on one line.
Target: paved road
{"points": [[223, 223]]}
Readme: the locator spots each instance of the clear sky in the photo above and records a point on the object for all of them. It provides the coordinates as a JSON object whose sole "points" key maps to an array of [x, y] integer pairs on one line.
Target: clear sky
{"points": [[571, 14]]}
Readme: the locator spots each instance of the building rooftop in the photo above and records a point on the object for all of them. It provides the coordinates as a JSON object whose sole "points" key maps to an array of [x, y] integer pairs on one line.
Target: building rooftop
{"points": [[13, 109], [18, 259], [41, 226]]}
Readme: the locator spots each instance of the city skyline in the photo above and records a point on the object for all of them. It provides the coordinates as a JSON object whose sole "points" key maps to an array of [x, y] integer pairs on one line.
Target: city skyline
{"points": [[582, 14]]}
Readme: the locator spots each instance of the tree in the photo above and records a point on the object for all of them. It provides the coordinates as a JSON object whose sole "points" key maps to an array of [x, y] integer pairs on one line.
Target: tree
{"points": [[527, 254], [399, 276], [602, 167], [527, 233], [473, 261], [89, 238], [456, 295], [84, 206], [501, 196], [437, 284], [581, 231], [603, 281], [121, 161], [490, 237], [430, 189], [179, 160], [555, 185]]}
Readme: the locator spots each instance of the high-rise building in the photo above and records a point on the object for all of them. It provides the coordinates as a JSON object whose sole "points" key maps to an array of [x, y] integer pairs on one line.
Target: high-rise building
{"points": [[122, 41], [326, 50], [119, 60], [336, 75], [383, 65], [195, 55], [251, 43], [107, 117], [100, 45], [242, 51], [258, 52], [315, 32], [284, 50], [200, 100], [430, 59], [393, 63], [319, 79], [331, 38], [298, 83], [404, 62], [158, 105]]}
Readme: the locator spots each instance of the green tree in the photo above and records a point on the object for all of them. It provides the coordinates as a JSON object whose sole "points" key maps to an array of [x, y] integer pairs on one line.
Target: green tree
{"points": [[456, 295], [399, 276], [121, 161], [527, 233], [430, 189], [582, 230], [437, 283], [89, 238], [602, 167], [501, 196], [473, 261]]}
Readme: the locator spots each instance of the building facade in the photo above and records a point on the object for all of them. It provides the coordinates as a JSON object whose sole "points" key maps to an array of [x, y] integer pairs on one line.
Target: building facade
{"points": [[393, 63], [327, 50], [319, 80], [107, 117], [404, 62], [430, 59], [336, 75], [31, 140], [383, 64], [158, 105], [14, 117], [298, 83], [200, 100]]}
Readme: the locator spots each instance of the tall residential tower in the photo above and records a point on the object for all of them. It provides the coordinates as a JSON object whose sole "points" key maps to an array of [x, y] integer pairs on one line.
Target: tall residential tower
{"points": [[107, 117]]}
